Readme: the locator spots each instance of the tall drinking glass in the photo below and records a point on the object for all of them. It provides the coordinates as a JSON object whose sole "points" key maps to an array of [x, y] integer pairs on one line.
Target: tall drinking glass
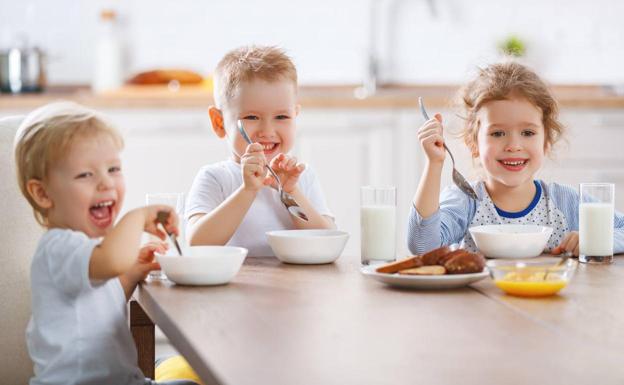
{"points": [[378, 224], [175, 200], [596, 222]]}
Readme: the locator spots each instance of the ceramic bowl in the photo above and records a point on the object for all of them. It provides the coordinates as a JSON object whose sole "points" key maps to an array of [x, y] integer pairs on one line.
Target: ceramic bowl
{"points": [[538, 277], [203, 265], [511, 241], [307, 247]]}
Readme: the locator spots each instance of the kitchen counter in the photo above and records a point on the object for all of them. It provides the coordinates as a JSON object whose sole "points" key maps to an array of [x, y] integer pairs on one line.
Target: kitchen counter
{"points": [[337, 96]]}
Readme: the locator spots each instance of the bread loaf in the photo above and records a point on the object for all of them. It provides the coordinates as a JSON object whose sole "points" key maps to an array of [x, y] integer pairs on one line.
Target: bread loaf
{"points": [[165, 76]]}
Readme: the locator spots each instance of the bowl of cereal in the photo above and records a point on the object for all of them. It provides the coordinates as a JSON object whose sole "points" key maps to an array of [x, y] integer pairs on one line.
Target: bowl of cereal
{"points": [[511, 241], [307, 247], [538, 277], [203, 265]]}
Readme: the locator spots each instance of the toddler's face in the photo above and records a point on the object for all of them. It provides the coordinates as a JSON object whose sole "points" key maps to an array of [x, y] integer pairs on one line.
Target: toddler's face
{"points": [[268, 111], [86, 187], [511, 141]]}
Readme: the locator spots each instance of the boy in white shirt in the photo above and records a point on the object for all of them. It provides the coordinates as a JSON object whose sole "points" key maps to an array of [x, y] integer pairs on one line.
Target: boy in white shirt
{"points": [[85, 268], [229, 202]]}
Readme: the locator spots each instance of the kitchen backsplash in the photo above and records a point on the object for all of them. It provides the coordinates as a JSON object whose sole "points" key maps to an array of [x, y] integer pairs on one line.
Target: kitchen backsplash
{"points": [[432, 41]]}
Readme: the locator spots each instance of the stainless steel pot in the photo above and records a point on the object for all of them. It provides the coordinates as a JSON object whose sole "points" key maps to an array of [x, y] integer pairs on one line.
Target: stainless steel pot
{"points": [[22, 70]]}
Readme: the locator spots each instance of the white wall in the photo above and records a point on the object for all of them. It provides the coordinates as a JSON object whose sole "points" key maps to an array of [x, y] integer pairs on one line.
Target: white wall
{"points": [[573, 41]]}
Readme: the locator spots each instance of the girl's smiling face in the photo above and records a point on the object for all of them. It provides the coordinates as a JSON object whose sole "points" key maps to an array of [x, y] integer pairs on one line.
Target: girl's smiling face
{"points": [[511, 142]]}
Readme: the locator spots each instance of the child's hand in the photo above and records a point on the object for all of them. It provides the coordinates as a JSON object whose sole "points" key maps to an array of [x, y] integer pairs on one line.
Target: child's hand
{"points": [[151, 224], [288, 170], [431, 139], [145, 262], [253, 164], [570, 243]]}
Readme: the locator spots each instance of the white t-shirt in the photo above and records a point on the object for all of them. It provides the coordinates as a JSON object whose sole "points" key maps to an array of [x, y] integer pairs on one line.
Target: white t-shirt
{"points": [[216, 182], [78, 332]]}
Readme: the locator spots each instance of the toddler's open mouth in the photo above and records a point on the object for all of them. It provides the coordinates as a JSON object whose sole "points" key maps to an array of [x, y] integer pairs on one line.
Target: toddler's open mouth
{"points": [[101, 213], [515, 164]]}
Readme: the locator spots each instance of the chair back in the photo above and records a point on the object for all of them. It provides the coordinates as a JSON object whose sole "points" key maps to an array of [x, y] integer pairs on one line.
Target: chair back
{"points": [[19, 234]]}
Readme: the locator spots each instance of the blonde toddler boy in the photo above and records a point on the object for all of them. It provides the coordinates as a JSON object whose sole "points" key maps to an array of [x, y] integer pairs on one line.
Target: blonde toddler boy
{"points": [[232, 202], [85, 267]]}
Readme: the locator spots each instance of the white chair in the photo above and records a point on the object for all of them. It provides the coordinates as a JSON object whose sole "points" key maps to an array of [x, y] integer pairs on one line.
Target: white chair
{"points": [[19, 233]]}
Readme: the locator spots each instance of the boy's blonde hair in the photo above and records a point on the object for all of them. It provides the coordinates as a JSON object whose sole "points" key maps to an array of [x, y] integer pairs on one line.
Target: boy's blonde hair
{"points": [[46, 134], [247, 63], [502, 81]]}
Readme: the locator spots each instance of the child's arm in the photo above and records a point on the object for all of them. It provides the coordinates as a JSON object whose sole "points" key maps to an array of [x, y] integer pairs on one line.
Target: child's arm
{"points": [[427, 197], [119, 249], [218, 226], [432, 222], [289, 171], [446, 226], [315, 220]]}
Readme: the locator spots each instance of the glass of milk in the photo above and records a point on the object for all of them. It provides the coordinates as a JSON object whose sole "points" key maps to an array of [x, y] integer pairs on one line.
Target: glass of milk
{"points": [[378, 224], [596, 222], [175, 200]]}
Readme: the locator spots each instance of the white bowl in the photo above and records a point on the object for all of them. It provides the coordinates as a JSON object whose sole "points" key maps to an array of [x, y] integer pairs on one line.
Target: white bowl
{"points": [[203, 265], [307, 247], [511, 241]]}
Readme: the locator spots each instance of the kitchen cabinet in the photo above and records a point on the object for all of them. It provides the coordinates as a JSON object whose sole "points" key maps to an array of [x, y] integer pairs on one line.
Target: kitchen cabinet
{"points": [[592, 150]]}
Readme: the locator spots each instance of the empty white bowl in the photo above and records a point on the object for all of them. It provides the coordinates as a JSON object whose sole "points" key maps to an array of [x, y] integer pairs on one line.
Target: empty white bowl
{"points": [[511, 241], [203, 265], [307, 247]]}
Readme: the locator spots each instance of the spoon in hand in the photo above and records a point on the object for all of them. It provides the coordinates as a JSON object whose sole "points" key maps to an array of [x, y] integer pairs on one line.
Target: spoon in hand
{"points": [[458, 178], [288, 200], [162, 218]]}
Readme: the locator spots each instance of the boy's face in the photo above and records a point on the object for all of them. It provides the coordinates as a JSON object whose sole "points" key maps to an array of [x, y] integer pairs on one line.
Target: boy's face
{"points": [[511, 141], [267, 111], [86, 187]]}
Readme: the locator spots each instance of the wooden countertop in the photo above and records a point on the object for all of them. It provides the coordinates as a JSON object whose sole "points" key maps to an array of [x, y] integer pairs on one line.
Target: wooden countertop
{"points": [[338, 96]]}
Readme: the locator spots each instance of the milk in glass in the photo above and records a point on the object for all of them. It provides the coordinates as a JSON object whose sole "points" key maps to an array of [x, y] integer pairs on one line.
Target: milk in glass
{"points": [[378, 223], [596, 229], [378, 232], [596, 209]]}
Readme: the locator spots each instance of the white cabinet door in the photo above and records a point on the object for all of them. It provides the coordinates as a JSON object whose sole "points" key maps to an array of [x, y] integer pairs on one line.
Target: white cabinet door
{"points": [[592, 150], [349, 149]]}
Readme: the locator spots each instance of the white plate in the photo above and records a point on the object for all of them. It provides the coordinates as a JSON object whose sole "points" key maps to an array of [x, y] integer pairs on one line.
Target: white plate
{"points": [[447, 281]]}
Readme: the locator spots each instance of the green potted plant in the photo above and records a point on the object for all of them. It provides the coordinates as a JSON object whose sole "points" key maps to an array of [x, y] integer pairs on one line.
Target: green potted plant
{"points": [[512, 46]]}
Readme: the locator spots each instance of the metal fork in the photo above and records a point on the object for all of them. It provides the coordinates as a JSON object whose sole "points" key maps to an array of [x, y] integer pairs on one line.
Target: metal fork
{"points": [[458, 178], [291, 204]]}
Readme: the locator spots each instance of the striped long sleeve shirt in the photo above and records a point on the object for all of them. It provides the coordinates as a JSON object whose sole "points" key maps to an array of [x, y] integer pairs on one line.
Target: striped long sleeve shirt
{"points": [[554, 205]]}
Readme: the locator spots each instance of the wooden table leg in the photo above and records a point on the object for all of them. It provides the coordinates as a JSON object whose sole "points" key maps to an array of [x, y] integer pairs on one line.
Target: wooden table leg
{"points": [[142, 329]]}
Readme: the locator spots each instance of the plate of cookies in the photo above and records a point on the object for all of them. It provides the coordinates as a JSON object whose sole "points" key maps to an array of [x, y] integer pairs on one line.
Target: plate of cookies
{"points": [[442, 268]]}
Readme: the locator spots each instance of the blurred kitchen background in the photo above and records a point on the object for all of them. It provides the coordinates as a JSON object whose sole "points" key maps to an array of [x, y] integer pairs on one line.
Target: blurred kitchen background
{"points": [[361, 64], [439, 41]]}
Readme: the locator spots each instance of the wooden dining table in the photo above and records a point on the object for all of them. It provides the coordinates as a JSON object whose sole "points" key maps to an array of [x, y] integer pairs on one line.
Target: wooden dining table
{"points": [[276, 324]]}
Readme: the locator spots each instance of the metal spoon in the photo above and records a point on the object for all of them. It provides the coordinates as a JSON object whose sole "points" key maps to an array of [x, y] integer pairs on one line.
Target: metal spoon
{"points": [[162, 217], [563, 259], [291, 204], [458, 178]]}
